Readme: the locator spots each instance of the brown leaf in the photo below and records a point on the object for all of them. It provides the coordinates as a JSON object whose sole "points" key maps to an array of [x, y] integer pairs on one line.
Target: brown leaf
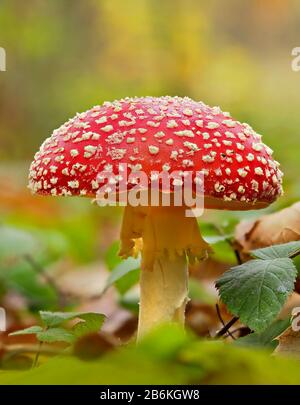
{"points": [[289, 340], [94, 345], [280, 227], [292, 302], [289, 344]]}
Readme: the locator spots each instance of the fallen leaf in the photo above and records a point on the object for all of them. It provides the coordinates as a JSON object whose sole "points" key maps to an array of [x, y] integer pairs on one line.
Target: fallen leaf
{"points": [[280, 227], [289, 343], [94, 345], [289, 340]]}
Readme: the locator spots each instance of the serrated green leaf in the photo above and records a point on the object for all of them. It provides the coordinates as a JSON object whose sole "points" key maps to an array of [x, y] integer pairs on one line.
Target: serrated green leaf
{"points": [[257, 290], [91, 322], [265, 339], [277, 251], [51, 319], [32, 330], [56, 335]]}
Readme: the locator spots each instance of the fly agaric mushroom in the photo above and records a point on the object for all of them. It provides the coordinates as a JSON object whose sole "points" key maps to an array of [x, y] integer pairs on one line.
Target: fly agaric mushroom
{"points": [[160, 134]]}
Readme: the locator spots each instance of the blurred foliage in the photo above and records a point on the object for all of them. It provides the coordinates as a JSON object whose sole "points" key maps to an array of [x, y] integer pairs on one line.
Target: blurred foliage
{"points": [[23, 257], [167, 356], [53, 330], [265, 339]]}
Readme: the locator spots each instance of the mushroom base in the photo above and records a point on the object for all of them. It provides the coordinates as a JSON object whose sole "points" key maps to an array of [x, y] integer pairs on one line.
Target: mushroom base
{"points": [[167, 240], [163, 293]]}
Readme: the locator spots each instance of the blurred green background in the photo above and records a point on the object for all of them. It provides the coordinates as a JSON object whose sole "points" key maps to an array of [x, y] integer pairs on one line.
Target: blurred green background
{"points": [[64, 56]]}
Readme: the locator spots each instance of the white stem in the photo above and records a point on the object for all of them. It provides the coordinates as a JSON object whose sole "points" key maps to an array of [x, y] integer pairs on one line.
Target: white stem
{"points": [[169, 239], [164, 293]]}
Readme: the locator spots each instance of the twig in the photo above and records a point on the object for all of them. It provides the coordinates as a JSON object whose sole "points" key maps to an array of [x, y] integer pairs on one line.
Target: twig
{"points": [[237, 253], [226, 328], [294, 254], [37, 355], [241, 328], [221, 320]]}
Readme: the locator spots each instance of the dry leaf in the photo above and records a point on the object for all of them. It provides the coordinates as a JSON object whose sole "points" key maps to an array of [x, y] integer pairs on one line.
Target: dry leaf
{"points": [[289, 340], [289, 344], [292, 303], [94, 345], [280, 227]]}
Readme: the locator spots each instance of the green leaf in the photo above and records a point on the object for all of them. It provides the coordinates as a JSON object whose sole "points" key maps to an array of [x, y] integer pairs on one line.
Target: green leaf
{"points": [[296, 261], [217, 238], [91, 322], [222, 251], [112, 259], [125, 283], [56, 335], [32, 330], [51, 319], [124, 275], [265, 339], [130, 300], [211, 233], [277, 251], [257, 290]]}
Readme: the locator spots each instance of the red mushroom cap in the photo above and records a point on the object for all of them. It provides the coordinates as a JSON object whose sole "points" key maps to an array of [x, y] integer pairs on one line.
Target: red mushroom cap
{"points": [[165, 133]]}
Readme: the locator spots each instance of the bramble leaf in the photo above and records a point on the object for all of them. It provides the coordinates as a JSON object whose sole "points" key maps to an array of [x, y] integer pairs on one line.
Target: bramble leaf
{"points": [[277, 251], [257, 290]]}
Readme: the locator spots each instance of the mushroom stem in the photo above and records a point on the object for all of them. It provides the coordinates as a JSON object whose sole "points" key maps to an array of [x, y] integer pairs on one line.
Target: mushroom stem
{"points": [[169, 240], [163, 293]]}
